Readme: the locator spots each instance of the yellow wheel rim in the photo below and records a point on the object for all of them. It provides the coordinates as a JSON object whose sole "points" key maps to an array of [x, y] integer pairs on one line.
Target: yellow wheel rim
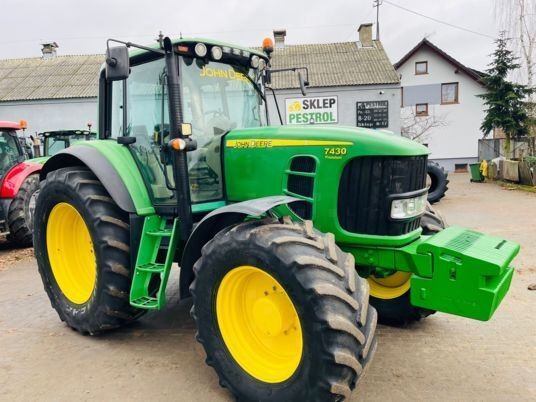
{"points": [[390, 287], [259, 324], [70, 252]]}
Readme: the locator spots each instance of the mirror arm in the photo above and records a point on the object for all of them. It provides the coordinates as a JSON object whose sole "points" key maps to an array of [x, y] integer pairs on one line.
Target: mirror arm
{"points": [[281, 70], [276, 104], [293, 69], [130, 44]]}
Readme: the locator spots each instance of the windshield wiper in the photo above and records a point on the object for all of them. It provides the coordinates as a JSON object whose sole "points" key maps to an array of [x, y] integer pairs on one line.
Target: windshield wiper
{"points": [[256, 86]]}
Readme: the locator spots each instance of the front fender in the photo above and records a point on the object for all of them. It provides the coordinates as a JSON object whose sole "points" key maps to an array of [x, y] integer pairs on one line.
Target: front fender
{"points": [[215, 221], [15, 177]]}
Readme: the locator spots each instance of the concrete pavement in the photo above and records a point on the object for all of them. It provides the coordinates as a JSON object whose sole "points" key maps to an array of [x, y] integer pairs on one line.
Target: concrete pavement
{"points": [[441, 358]]}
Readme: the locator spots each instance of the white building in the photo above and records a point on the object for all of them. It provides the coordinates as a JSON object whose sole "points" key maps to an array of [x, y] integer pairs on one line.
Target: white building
{"points": [[440, 105], [50, 92]]}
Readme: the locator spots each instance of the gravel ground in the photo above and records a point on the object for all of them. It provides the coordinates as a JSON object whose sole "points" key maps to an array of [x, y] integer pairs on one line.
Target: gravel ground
{"points": [[157, 358], [10, 255]]}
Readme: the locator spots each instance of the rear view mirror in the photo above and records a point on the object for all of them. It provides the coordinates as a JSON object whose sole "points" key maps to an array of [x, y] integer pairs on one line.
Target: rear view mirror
{"points": [[117, 63], [303, 83]]}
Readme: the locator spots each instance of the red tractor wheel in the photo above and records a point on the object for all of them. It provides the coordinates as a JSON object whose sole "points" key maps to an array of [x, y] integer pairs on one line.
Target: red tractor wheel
{"points": [[21, 211]]}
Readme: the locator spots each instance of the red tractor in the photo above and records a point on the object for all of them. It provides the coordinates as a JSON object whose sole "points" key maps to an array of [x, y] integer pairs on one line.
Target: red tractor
{"points": [[19, 185]]}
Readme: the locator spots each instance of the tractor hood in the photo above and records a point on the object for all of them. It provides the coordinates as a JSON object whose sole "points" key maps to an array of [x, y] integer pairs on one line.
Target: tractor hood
{"points": [[357, 141], [335, 171]]}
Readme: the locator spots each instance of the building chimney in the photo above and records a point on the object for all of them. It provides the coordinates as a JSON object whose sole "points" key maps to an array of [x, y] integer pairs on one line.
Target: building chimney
{"points": [[365, 34], [49, 50], [279, 38]]}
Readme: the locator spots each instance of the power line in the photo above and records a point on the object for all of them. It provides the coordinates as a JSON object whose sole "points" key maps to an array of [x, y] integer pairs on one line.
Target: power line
{"points": [[257, 29], [353, 30], [439, 21], [68, 38], [269, 29]]}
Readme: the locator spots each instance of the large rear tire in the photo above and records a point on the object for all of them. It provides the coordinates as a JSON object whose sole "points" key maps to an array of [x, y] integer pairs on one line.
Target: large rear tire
{"points": [[391, 295], [21, 212], [281, 313], [82, 243]]}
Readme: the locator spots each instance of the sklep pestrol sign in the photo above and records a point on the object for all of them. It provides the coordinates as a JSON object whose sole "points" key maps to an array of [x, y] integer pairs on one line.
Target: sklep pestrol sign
{"points": [[320, 110]]}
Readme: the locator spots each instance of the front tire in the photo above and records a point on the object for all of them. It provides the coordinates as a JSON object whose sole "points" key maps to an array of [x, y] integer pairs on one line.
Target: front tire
{"points": [[391, 295], [281, 313], [82, 244], [21, 212]]}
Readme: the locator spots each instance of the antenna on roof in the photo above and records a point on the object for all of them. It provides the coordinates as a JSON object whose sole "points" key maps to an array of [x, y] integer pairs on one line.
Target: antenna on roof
{"points": [[376, 4], [160, 39]]}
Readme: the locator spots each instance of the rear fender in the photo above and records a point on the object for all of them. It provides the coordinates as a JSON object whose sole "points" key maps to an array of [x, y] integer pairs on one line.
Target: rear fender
{"points": [[15, 177], [110, 166], [215, 221]]}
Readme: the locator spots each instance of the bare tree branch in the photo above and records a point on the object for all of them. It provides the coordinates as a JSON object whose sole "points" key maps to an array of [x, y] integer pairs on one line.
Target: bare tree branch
{"points": [[418, 128]]}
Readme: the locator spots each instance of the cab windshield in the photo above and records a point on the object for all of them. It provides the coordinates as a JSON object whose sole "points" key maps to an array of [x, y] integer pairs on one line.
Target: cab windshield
{"points": [[216, 98], [9, 151]]}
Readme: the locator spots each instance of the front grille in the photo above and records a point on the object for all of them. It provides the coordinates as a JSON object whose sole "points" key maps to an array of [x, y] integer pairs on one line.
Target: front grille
{"points": [[366, 183]]}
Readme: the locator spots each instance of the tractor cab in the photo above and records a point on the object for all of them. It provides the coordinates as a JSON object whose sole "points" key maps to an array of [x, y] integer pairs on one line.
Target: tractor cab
{"points": [[219, 89], [11, 150], [19, 183], [58, 140]]}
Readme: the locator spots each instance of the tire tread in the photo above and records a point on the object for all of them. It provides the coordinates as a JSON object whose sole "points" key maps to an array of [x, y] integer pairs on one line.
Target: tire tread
{"points": [[109, 307], [329, 282]]}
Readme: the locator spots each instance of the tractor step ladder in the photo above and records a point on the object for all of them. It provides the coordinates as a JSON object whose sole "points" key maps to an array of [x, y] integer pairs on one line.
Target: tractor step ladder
{"points": [[143, 293]]}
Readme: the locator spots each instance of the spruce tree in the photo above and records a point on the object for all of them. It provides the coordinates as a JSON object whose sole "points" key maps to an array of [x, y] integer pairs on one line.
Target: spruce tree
{"points": [[504, 100]]}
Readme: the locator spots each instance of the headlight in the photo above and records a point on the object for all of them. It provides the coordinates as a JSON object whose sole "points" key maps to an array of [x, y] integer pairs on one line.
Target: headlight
{"points": [[200, 50], [255, 61], [262, 64], [408, 207], [216, 52]]}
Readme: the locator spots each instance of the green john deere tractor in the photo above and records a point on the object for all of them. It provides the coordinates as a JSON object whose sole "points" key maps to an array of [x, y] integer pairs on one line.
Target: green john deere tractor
{"points": [[57, 140], [281, 233]]}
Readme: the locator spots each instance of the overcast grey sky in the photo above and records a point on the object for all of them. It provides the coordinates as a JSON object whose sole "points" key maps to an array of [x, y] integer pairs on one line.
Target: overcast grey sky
{"points": [[81, 27]]}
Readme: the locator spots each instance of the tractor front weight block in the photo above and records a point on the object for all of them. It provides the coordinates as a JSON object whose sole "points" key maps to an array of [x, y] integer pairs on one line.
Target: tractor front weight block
{"points": [[471, 273]]}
